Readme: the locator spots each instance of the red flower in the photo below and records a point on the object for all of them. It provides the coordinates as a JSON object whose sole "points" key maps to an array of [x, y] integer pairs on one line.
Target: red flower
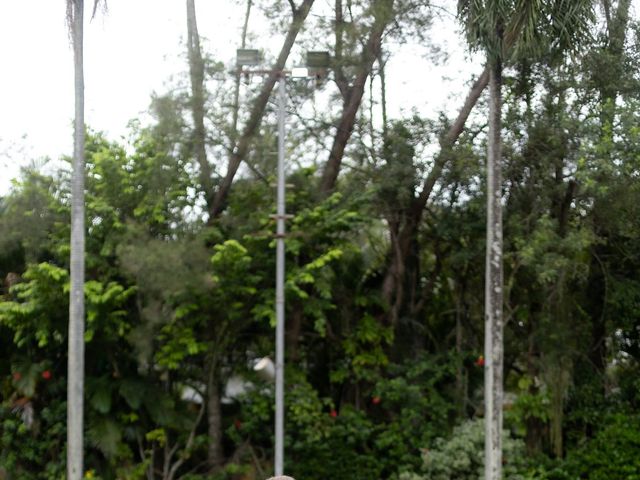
{"points": [[17, 376], [376, 400], [46, 374], [333, 413], [480, 361], [237, 423]]}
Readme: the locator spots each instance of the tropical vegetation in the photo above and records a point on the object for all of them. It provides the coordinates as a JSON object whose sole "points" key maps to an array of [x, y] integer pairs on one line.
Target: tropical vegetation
{"points": [[385, 262]]}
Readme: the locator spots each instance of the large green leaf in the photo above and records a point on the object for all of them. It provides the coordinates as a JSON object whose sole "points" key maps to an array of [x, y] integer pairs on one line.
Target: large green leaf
{"points": [[100, 394], [133, 392], [104, 434]]}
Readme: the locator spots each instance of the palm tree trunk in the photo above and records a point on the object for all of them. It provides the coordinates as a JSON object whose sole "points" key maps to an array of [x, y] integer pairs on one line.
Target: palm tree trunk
{"points": [[493, 347], [75, 379]]}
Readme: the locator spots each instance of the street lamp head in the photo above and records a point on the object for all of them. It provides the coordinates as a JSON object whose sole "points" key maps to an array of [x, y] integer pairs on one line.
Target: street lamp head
{"points": [[246, 57], [318, 60], [265, 369], [318, 64]]}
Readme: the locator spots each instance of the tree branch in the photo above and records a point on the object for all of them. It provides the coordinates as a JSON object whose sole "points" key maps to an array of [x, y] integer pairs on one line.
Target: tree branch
{"points": [[449, 140], [402, 233], [383, 15], [189, 444], [196, 72], [340, 78], [257, 112]]}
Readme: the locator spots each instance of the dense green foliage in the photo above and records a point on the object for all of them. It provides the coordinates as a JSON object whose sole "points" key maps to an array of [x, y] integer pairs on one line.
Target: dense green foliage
{"points": [[384, 300]]}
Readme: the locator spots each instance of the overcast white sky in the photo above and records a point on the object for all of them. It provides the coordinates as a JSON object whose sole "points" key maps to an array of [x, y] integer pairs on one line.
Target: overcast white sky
{"points": [[132, 51]]}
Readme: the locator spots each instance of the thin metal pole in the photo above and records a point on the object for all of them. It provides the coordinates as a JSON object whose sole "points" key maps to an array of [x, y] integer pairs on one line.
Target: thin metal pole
{"points": [[280, 232]]}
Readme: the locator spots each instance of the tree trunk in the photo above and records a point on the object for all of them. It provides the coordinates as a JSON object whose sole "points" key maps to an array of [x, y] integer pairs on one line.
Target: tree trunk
{"points": [[75, 380], [257, 111], [215, 456], [353, 95], [393, 283], [196, 72], [382, 63], [461, 384], [533, 424], [294, 327], [236, 87], [609, 89], [493, 344], [403, 232]]}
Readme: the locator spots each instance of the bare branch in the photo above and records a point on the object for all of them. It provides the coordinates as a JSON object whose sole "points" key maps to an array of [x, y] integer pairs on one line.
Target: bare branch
{"points": [[370, 51], [402, 234], [96, 3], [449, 140], [340, 78], [236, 90], [196, 73], [257, 112], [188, 445]]}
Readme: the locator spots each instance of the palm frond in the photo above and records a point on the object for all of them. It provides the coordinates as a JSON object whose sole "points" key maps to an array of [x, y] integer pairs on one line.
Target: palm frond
{"points": [[105, 434], [522, 34], [570, 23], [517, 29]]}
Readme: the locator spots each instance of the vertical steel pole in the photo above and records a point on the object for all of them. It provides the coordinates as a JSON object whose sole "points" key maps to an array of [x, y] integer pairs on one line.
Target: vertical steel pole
{"points": [[280, 233]]}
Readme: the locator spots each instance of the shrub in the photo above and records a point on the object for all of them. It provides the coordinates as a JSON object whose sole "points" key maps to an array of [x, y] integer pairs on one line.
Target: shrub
{"points": [[461, 457], [611, 454]]}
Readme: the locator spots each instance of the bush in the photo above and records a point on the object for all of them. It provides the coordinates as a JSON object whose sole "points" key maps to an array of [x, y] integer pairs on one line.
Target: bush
{"points": [[400, 412], [611, 454], [461, 457]]}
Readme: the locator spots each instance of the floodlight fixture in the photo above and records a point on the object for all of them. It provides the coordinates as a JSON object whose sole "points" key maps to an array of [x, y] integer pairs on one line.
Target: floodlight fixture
{"points": [[265, 369], [318, 60], [318, 64], [246, 57]]}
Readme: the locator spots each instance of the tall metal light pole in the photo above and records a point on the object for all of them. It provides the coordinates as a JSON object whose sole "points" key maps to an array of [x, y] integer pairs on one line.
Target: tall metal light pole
{"points": [[317, 63], [280, 233]]}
